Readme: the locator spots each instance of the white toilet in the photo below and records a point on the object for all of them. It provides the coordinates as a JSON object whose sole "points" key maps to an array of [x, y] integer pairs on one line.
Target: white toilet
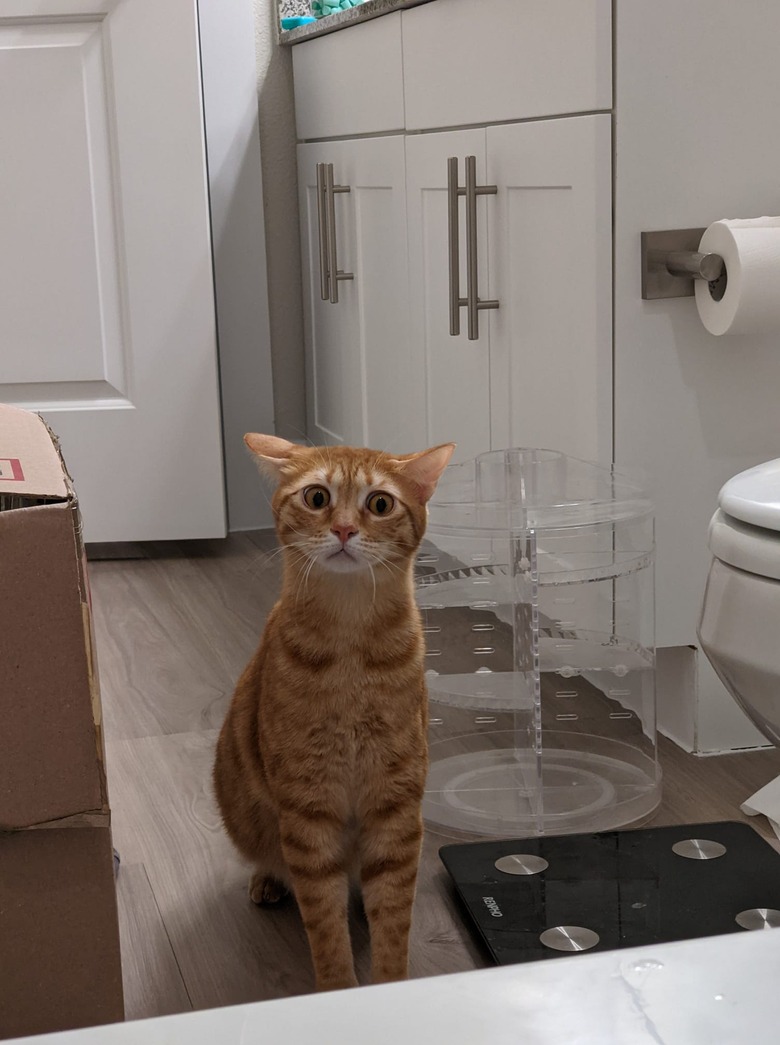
{"points": [[740, 622]]}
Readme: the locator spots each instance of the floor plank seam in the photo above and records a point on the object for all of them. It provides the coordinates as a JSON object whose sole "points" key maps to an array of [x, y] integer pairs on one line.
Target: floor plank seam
{"points": [[214, 730], [168, 938]]}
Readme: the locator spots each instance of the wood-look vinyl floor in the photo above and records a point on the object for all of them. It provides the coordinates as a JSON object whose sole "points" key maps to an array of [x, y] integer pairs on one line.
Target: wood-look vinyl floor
{"points": [[175, 625]]}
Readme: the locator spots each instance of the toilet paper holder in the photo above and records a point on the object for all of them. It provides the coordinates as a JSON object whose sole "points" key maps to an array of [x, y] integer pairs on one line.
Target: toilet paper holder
{"points": [[671, 261]]}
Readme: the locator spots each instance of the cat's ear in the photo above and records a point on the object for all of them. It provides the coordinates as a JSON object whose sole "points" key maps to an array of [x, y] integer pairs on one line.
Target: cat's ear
{"points": [[425, 469], [271, 451]]}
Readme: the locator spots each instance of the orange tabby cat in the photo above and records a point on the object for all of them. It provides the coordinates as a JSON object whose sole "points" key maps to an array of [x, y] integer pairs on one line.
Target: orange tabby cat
{"points": [[321, 762]]}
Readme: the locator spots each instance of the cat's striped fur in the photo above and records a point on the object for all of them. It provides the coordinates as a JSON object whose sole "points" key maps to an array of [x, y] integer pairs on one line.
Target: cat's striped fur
{"points": [[322, 759]]}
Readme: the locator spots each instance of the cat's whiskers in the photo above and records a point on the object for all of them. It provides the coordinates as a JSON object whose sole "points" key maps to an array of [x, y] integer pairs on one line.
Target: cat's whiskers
{"points": [[301, 563], [304, 577], [309, 568], [373, 579], [389, 566], [292, 546], [264, 561], [298, 564], [402, 545], [298, 560], [306, 536]]}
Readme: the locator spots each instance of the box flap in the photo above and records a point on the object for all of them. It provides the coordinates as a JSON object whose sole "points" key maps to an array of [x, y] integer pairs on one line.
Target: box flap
{"points": [[30, 462]]}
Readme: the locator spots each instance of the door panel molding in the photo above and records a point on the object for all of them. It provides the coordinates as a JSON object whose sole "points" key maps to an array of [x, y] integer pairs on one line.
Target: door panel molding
{"points": [[63, 291]]}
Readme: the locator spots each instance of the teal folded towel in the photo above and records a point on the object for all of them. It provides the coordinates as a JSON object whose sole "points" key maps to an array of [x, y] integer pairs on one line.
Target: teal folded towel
{"points": [[294, 21], [323, 8]]}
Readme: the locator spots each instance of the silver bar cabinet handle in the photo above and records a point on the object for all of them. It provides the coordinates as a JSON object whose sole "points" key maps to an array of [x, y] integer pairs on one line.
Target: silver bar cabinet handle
{"points": [[336, 275], [454, 243], [472, 269], [322, 226]]}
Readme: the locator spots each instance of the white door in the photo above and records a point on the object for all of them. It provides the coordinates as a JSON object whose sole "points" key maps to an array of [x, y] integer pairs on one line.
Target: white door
{"points": [[453, 372], [106, 293], [358, 353], [550, 235]]}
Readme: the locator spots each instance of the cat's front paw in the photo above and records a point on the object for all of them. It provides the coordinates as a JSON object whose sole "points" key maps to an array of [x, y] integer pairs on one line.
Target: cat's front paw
{"points": [[266, 890]]}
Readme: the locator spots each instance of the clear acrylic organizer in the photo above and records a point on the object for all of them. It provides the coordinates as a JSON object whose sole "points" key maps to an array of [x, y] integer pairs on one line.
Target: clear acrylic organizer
{"points": [[536, 588]]}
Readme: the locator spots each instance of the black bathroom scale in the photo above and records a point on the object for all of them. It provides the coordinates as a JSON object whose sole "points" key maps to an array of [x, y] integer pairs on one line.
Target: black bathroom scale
{"points": [[544, 897]]}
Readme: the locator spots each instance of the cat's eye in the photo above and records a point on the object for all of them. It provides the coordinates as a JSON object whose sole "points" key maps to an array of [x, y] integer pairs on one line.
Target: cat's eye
{"points": [[316, 497], [380, 503]]}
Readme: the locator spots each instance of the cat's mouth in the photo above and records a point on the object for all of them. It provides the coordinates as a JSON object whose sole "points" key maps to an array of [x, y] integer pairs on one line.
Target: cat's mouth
{"points": [[343, 559]]}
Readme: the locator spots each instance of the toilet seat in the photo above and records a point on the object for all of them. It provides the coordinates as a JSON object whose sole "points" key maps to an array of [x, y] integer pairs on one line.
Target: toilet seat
{"points": [[753, 496], [745, 530]]}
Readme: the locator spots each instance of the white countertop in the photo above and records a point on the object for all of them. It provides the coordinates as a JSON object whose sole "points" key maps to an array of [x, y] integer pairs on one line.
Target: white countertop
{"points": [[343, 19], [716, 991]]}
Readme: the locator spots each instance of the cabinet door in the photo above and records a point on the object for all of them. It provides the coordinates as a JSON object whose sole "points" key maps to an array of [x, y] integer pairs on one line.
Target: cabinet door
{"points": [[358, 354], [453, 373], [106, 280], [551, 271]]}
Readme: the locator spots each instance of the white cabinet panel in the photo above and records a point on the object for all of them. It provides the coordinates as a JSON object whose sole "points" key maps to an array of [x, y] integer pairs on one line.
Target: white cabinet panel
{"points": [[453, 372], [350, 82], [540, 373], [550, 269], [360, 385], [467, 63], [59, 210], [106, 280]]}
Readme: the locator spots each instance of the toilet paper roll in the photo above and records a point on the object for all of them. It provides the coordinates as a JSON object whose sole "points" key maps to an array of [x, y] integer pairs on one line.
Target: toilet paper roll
{"points": [[750, 247]]}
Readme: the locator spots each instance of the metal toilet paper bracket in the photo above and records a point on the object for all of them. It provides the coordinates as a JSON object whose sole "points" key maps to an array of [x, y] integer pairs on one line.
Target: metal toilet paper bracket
{"points": [[671, 261]]}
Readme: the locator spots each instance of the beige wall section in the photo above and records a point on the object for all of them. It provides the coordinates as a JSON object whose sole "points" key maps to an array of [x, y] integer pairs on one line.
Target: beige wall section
{"points": [[280, 198]]}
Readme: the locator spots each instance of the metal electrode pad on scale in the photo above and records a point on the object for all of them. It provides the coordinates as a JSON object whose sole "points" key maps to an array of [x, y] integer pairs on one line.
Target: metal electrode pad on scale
{"points": [[549, 896]]}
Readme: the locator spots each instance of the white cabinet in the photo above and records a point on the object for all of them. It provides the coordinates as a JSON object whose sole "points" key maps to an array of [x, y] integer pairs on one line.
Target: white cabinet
{"points": [[383, 368], [361, 383], [550, 267], [540, 372], [453, 371]]}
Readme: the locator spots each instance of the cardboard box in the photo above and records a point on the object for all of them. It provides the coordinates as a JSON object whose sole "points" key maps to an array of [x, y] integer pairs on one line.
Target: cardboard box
{"points": [[59, 941]]}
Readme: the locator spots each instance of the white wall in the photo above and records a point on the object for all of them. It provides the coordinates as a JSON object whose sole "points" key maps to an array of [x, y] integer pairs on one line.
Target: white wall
{"points": [[248, 98], [697, 88], [280, 192], [238, 243]]}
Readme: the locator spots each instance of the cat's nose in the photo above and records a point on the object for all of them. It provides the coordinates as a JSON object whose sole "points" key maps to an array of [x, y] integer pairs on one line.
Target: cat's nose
{"points": [[344, 531]]}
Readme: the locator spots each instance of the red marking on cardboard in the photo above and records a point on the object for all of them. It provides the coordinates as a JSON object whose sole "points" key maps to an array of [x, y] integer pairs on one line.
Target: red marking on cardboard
{"points": [[11, 469]]}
